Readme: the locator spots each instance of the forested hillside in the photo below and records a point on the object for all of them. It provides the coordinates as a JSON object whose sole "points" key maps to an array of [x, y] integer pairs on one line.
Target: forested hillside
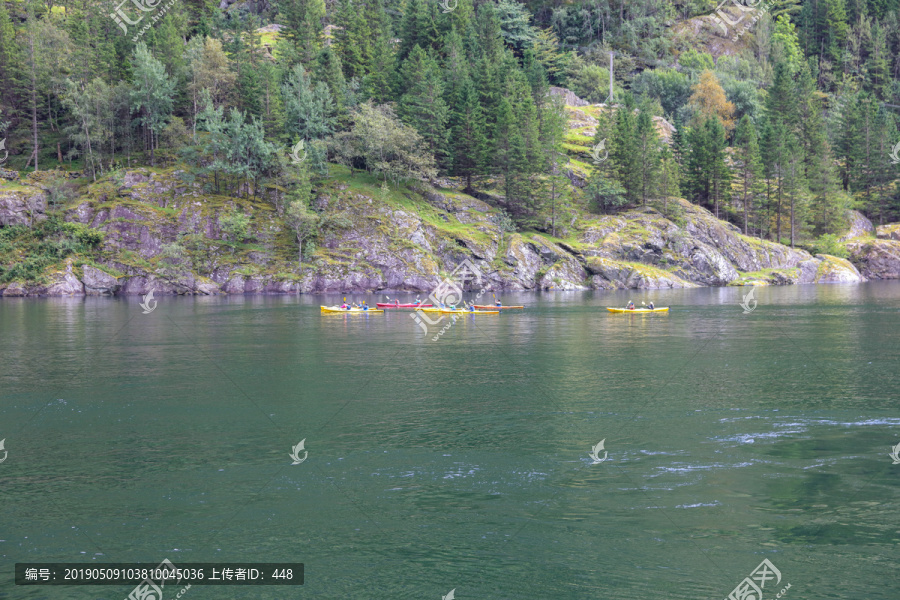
{"points": [[785, 113]]}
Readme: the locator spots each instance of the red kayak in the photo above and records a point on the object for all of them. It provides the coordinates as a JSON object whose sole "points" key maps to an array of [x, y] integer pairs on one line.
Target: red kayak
{"points": [[394, 305]]}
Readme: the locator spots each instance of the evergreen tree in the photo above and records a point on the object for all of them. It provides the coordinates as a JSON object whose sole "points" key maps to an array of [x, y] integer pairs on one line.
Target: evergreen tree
{"points": [[468, 141], [308, 109], [302, 22], [648, 148], [774, 138], [422, 105], [151, 95], [624, 152], [749, 165]]}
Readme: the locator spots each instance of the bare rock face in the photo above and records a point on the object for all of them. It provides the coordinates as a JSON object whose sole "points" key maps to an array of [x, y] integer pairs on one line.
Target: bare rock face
{"points": [[613, 274], [702, 251], [13, 290], [825, 268], [860, 226], [373, 242], [876, 258], [568, 96], [63, 284], [99, 283], [22, 208]]}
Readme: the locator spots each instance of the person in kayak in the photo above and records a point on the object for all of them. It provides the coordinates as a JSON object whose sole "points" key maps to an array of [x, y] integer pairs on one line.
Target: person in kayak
{"points": [[344, 306], [650, 306], [471, 308], [630, 305], [498, 304]]}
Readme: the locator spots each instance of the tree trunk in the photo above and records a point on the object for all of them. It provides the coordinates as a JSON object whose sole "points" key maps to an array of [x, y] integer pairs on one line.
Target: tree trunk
{"points": [[745, 201], [87, 135], [34, 126], [778, 211]]}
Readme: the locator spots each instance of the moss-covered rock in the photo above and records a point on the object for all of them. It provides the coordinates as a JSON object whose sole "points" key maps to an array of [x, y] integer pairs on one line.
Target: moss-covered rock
{"points": [[398, 239], [891, 231], [876, 258], [825, 268]]}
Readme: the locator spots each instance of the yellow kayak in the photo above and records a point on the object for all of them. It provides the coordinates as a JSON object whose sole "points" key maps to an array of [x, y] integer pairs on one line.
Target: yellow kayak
{"points": [[638, 310], [447, 311], [338, 309]]}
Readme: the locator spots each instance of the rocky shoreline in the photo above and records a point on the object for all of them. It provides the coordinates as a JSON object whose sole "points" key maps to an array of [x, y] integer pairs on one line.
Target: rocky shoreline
{"points": [[407, 240]]}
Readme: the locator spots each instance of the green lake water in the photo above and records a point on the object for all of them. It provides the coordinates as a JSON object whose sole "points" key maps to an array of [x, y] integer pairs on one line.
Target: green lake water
{"points": [[460, 463]]}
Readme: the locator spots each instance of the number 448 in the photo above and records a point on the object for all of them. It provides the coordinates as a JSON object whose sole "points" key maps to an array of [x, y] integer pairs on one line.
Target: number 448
{"points": [[283, 574]]}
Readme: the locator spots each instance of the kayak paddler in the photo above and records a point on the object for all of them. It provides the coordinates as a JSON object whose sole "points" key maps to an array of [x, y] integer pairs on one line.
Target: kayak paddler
{"points": [[630, 305], [650, 306]]}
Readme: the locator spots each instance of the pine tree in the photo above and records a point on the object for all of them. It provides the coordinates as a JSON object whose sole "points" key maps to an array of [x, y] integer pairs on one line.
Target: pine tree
{"points": [[308, 109], [422, 105], [302, 21], [648, 148], [719, 174], [774, 153], [749, 165], [468, 141], [328, 70], [624, 151]]}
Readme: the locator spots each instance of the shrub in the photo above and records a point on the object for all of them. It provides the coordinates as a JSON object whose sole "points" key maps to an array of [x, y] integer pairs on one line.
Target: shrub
{"points": [[235, 225], [84, 234], [829, 244]]}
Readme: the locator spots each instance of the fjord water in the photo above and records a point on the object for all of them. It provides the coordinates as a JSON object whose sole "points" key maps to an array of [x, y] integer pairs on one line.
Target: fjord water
{"points": [[460, 463]]}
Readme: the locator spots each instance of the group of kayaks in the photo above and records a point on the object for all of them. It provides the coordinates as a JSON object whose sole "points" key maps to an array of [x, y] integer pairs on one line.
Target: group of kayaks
{"points": [[475, 309]]}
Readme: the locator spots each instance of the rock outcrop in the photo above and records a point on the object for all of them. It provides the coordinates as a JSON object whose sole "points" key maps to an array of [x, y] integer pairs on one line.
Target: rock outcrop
{"points": [[860, 226], [163, 232], [876, 258], [825, 268]]}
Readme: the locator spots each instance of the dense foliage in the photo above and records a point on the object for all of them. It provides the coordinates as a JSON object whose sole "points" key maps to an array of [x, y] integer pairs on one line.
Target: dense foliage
{"points": [[793, 122]]}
